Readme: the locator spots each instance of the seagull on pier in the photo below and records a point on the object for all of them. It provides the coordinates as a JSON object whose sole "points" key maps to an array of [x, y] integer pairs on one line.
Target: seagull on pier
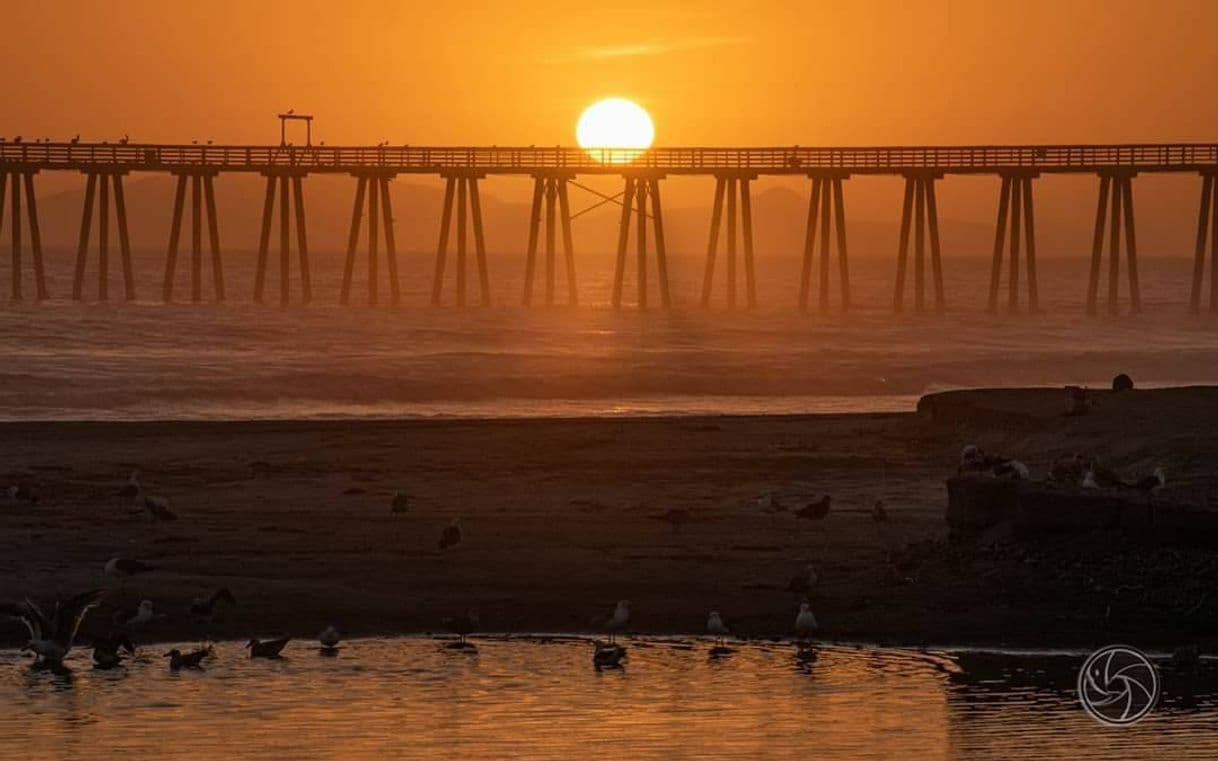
{"points": [[158, 508], [108, 651], [131, 618], [400, 502], [816, 511], [451, 536], [51, 637], [716, 628], [270, 648], [192, 660], [123, 568], [803, 582], [1151, 483], [205, 607], [75, 139], [617, 622], [329, 639], [125, 140], [805, 621], [132, 488]]}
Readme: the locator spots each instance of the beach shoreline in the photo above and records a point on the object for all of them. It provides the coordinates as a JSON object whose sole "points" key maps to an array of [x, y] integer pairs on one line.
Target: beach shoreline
{"points": [[563, 517]]}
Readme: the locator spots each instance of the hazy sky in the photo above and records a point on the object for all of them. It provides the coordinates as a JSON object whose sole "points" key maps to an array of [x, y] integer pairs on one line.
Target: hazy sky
{"points": [[520, 72]]}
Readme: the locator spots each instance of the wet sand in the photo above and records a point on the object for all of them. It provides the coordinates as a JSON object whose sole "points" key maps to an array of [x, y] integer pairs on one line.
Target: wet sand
{"points": [[561, 519]]}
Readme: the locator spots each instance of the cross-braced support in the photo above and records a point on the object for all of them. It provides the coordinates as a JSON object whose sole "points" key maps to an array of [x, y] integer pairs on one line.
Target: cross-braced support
{"points": [[1119, 186], [921, 210], [1014, 201], [202, 199], [827, 196], [97, 185], [290, 191], [634, 202], [375, 187], [15, 182], [730, 187], [1207, 219], [463, 189], [550, 190]]}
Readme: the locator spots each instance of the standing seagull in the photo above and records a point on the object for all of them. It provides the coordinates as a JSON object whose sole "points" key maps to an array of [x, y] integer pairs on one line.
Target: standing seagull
{"points": [[271, 648], [451, 536], [130, 618], [805, 621], [617, 622], [329, 640], [132, 488], [51, 637], [122, 568], [716, 628], [463, 626]]}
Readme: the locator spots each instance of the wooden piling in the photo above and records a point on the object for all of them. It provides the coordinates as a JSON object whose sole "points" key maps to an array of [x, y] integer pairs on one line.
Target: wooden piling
{"points": [[568, 243], [264, 240], [713, 245], [657, 216], [391, 249], [551, 238], [285, 248], [733, 199], [437, 283], [484, 276], [124, 238], [374, 208], [15, 231], [103, 242], [1203, 217], [805, 278], [213, 237], [623, 240], [82, 250], [530, 263], [1097, 244], [196, 239], [302, 241], [839, 204], [898, 299]]}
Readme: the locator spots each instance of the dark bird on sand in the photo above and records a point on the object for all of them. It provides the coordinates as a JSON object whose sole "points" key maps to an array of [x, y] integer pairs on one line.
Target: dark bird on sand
{"points": [[879, 513], [329, 639], [158, 508], [52, 637], [1151, 483], [400, 503], [270, 648], [132, 488], [205, 607], [108, 651], [815, 510], [1122, 382], [124, 567], [192, 660], [451, 536]]}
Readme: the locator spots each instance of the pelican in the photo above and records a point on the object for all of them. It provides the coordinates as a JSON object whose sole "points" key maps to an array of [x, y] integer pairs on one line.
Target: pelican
{"points": [[617, 622], [51, 638], [205, 607], [329, 640], [130, 618], [192, 660], [805, 621], [716, 628], [270, 648], [451, 536], [132, 487], [125, 567]]}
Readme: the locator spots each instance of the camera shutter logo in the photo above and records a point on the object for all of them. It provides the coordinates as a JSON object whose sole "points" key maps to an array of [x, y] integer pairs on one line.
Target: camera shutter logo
{"points": [[1118, 685]]}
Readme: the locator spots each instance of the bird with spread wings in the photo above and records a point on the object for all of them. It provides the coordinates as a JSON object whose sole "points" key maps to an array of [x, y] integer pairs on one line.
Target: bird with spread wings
{"points": [[51, 637]]}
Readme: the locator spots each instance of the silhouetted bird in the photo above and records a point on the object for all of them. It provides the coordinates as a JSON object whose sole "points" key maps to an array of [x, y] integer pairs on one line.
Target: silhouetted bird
{"points": [[192, 660], [805, 621], [132, 487], [130, 618], [1151, 483], [1122, 382], [329, 639], [879, 513], [451, 535], [270, 648], [617, 622], [107, 651], [205, 607], [815, 510], [17, 139], [75, 139], [607, 655], [52, 637], [716, 628], [158, 509], [463, 625], [125, 567], [125, 140]]}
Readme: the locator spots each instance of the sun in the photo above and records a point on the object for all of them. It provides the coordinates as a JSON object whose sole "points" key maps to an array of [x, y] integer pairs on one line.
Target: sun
{"points": [[615, 130]]}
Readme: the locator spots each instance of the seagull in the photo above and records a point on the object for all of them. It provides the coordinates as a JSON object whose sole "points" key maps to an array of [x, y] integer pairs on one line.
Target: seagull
{"points": [[805, 621], [132, 487], [21, 493], [51, 637], [329, 640], [1151, 483], [205, 607], [1012, 469], [192, 660], [617, 622], [400, 503], [770, 505], [1105, 478], [271, 648], [803, 582], [451, 536], [463, 626], [158, 508], [76, 139], [130, 618], [716, 628], [1068, 470], [125, 567], [879, 513], [125, 140], [815, 510], [1089, 480], [106, 651]]}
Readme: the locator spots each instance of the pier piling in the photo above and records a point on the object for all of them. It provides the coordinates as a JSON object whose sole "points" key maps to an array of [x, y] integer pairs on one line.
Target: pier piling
{"points": [[97, 188], [1014, 202], [372, 192], [291, 198], [550, 192], [920, 210], [639, 189], [463, 188], [202, 203], [1115, 206], [733, 197], [826, 205]]}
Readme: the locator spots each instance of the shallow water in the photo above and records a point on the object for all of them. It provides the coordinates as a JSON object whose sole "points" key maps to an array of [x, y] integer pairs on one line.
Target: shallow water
{"points": [[146, 360], [412, 698]]}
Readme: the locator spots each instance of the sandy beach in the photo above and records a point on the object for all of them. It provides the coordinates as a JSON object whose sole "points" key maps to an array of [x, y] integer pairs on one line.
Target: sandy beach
{"points": [[561, 518]]}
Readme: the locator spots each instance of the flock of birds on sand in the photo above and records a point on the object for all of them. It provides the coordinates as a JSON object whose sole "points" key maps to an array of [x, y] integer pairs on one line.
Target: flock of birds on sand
{"points": [[1072, 471], [52, 637]]}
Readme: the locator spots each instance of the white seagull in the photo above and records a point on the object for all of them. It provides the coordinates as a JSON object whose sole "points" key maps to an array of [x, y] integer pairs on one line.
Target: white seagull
{"points": [[716, 628], [130, 618], [805, 621], [51, 637], [617, 622]]}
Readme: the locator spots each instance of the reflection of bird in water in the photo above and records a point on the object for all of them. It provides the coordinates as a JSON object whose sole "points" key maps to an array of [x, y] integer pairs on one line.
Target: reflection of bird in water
{"points": [[270, 648], [617, 622], [52, 637], [204, 608], [451, 535], [805, 621], [805, 581], [329, 640], [107, 651], [607, 655], [815, 510], [716, 628], [192, 660], [462, 626]]}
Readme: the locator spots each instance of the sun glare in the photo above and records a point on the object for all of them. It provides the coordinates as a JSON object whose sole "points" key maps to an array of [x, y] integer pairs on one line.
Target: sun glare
{"points": [[615, 130]]}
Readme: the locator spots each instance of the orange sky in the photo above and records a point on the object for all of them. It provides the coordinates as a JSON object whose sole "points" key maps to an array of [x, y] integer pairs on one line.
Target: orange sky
{"points": [[494, 72]]}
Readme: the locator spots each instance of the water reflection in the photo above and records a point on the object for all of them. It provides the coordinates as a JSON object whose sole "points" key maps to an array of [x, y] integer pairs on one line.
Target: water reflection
{"points": [[415, 698]]}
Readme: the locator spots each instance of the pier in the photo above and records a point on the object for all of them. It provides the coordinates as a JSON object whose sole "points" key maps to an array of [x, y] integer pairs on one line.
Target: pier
{"points": [[553, 170]]}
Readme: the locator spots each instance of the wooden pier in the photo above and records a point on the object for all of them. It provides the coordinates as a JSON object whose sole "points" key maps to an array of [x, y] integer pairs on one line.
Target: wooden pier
{"points": [[554, 169]]}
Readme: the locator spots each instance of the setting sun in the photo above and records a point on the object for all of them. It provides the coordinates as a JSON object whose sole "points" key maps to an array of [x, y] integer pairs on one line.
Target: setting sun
{"points": [[615, 130]]}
